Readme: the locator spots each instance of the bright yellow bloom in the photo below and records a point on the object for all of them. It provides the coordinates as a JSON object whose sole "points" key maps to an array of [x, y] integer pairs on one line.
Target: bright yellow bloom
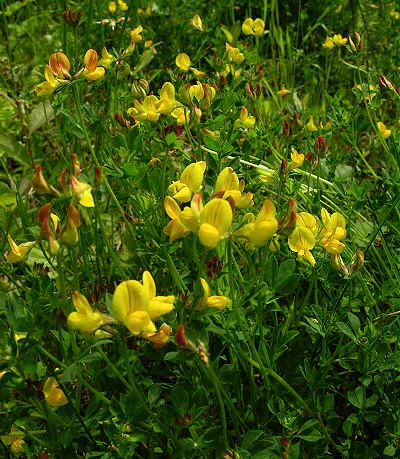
{"points": [[215, 221], [146, 110], [197, 22], [228, 183], [297, 159], [135, 34], [198, 73], [395, 14], [256, 27], [329, 43], [92, 72], [167, 99], [245, 120], [53, 395], [106, 58], [112, 7], [235, 55], [302, 241], [18, 252], [283, 91], [146, 12], [49, 86], [181, 114], [382, 129], [83, 192], [338, 40], [260, 229], [136, 305], [208, 301], [190, 182], [175, 228], [310, 126], [161, 338], [122, 5], [308, 221], [196, 91], [59, 65], [183, 61], [84, 319], [14, 440], [333, 231], [371, 95]]}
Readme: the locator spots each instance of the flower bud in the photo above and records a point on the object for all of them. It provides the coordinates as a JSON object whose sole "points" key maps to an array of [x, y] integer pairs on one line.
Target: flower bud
{"points": [[288, 221], [39, 182], [97, 175], [357, 261], [197, 22], [355, 44], [338, 263], [140, 88], [320, 144], [309, 156], [60, 65], [76, 170]]}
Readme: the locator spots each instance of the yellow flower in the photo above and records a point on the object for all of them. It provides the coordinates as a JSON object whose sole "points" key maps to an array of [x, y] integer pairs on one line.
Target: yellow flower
{"points": [[196, 91], [333, 231], [112, 7], [302, 241], [175, 228], [181, 114], [148, 43], [167, 99], [371, 88], [190, 182], [14, 440], [53, 395], [122, 5], [338, 40], [308, 221], [92, 72], [146, 110], [18, 252], [154, 162], [218, 302], [84, 319], [60, 65], [256, 27], [329, 43], [235, 55], [136, 305], [197, 22], [146, 12], [395, 14], [382, 129], [106, 58], [245, 120], [161, 338], [310, 126], [183, 61], [297, 159], [135, 34], [260, 229], [283, 91], [83, 192], [215, 221], [228, 183], [49, 86]]}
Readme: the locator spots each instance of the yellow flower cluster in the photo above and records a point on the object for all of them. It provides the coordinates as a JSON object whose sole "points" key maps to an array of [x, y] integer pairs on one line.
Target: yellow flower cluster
{"points": [[336, 40], [253, 27]]}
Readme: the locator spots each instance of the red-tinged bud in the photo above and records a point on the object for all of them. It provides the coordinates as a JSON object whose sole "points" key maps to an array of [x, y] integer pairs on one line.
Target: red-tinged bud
{"points": [[54, 246], [44, 212], [222, 81], [71, 16], [288, 221], [76, 169], [60, 65], [78, 16], [309, 156], [315, 163], [320, 144], [283, 166], [295, 118], [355, 44], [180, 338], [285, 127], [258, 89], [357, 261], [39, 182], [97, 175], [73, 215], [62, 179], [338, 263], [285, 442], [385, 83], [249, 90]]}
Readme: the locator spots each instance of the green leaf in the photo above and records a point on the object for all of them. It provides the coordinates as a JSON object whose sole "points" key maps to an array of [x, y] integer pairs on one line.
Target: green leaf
{"points": [[357, 397], [40, 115], [8, 201], [251, 437]]}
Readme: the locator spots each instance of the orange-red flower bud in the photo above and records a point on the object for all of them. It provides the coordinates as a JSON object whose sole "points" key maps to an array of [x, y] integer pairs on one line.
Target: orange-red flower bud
{"points": [[60, 65]]}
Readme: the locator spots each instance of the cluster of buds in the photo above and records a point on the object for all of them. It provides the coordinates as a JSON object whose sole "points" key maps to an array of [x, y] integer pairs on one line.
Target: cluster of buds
{"points": [[356, 263], [70, 18], [140, 88], [320, 144], [119, 118], [183, 342], [253, 92], [79, 190]]}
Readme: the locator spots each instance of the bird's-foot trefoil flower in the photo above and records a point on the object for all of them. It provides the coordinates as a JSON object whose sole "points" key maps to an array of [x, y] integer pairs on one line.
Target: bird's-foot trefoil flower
{"points": [[229, 186], [208, 301], [53, 395], [84, 319], [19, 252], [160, 338], [183, 62], [245, 120], [136, 305], [190, 182]]}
